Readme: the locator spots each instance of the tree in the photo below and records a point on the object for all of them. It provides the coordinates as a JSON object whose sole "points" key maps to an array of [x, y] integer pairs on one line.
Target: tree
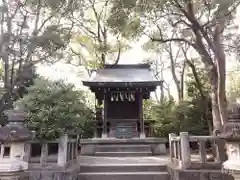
{"points": [[55, 108], [31, 32], [198, 88], [199, 24], [176, 65], [93, 42], [187, 115]]}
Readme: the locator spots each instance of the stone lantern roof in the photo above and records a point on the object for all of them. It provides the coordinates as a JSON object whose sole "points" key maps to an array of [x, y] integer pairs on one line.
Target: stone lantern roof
{"points": [[15, 129], [231, 130]]}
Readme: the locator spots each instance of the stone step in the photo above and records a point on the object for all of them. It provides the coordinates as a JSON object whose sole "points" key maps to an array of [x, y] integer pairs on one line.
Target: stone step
{"points": [[123, 154], [123, 148], [124, 176], [122, 168]]}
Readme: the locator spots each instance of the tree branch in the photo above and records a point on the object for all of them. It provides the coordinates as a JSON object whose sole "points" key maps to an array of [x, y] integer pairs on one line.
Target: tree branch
{"points": [[119, 53], [174, 40]]}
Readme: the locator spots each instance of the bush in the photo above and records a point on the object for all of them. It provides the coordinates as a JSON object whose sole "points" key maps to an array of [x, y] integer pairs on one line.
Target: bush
{"points": [[55, 108]]}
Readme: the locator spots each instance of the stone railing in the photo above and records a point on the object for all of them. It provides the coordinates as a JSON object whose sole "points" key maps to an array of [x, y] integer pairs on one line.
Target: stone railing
{"points": [[181, 156], [67, 152]]}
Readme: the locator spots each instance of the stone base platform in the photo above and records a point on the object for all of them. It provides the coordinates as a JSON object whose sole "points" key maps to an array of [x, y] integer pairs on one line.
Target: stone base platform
{"points": [[123, 147], [197, 174]]}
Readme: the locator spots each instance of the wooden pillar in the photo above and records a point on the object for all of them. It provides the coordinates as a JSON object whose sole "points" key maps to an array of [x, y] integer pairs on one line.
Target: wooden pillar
{"points": [[96, 119], [104, 118], [142, 133]]}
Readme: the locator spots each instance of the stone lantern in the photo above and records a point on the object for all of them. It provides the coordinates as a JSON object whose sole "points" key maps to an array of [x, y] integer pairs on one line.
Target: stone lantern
{"points": [[231, 134], [14, 137]]}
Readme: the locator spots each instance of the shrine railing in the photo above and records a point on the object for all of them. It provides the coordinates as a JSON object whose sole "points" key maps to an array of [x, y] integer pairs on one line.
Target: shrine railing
{"points": [[67, 152], [182, 156]]}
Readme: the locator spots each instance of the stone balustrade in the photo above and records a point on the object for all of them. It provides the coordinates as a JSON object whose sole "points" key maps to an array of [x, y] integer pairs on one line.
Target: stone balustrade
{"points": [[181, 156], [67, 152]]}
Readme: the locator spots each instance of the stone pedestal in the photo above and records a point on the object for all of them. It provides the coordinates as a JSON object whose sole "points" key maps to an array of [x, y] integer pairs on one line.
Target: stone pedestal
{"points": [[232, 165], [15, 147], [231, 134]]}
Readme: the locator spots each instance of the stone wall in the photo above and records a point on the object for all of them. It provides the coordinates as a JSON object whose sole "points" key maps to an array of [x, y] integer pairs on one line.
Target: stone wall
{"points": [[50, 175], [181, 174], [58, 174]]}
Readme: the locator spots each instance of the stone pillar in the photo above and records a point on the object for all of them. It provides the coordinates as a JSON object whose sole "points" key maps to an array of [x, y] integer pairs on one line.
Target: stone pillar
{"points": [[27, 152], [202, 151], [185, 150], [142, 133], [63, 150], [44, 154], [73, 151], [170, 136], [2, 150], [104, 117], [231, 134]]}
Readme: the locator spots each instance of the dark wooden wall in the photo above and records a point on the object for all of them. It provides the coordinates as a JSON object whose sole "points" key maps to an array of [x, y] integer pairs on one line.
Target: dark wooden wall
{"points": [[122, 109]]}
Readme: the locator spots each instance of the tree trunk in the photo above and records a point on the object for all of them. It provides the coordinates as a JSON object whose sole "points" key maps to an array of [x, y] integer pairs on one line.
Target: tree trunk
{"points": [[182, 81], [162, 94], [217, 125], [216, 115]]}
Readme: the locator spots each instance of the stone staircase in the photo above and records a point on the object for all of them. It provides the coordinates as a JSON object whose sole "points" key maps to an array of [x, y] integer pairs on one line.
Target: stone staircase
{"points": [[123, 168], [123, 150]]}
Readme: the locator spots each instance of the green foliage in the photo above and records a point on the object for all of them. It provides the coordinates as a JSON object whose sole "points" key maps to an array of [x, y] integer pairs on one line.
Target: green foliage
{"points": [[55, 108], [165, 118], [171, 117], [191, 115], [192, 87]]}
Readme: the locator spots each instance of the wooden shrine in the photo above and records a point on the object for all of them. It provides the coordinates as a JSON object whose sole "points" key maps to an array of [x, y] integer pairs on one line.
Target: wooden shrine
{"points": [[120, 91]]}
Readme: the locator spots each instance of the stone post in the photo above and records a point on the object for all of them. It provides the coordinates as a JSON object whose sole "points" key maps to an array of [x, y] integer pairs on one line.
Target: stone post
{"points": [[170, 136], [63, 150], [27, 152], [44, 154], [231, 134], [2, 151], [73, 151], [185, 150], [202, 151]]}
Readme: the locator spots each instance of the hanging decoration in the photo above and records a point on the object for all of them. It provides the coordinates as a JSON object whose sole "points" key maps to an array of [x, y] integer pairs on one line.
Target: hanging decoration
{"points": [[122, 96]]}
